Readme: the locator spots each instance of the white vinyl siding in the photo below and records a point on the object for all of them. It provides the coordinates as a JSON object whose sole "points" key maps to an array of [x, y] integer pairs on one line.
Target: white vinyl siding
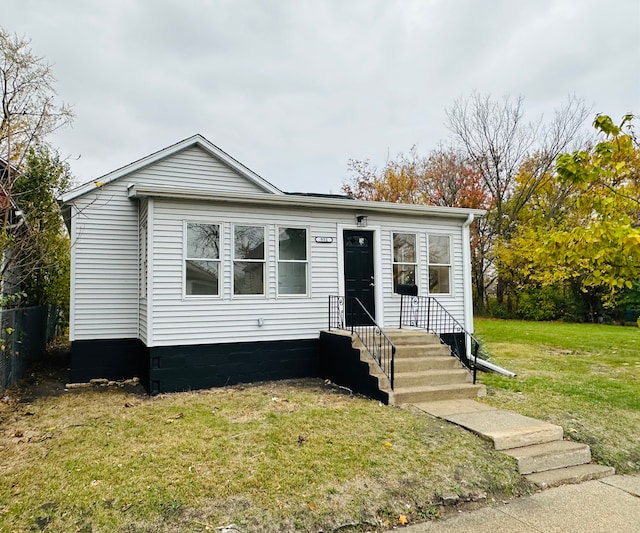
{"points": [[194, 168], [106, 279], [235, 318], [107, 272], [230, 318], [143, 268]]}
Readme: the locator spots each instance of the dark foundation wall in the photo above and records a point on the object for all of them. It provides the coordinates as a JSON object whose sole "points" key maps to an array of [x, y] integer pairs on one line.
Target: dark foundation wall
{"points": [[340, 362], [180, 368], [107, 358]]}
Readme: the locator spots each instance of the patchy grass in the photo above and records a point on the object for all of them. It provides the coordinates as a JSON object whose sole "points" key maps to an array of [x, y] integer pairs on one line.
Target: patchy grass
{"points": [[276, 456], [584, 377]]}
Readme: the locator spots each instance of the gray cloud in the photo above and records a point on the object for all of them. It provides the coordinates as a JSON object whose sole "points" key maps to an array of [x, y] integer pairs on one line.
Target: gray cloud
{"points": [[294, 89]]}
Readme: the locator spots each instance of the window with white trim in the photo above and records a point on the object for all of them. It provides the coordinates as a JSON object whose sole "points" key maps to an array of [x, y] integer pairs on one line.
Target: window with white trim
{"points": [[202, 259], [249, 260], [404, 259], [292, 261], [439, 264]]}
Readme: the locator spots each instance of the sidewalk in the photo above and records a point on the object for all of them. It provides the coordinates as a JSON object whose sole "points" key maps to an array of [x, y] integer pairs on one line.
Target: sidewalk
{"points": [[609, 505]]}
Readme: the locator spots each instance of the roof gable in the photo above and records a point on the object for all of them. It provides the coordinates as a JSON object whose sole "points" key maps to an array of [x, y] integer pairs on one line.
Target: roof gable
{"points": [[195, 141]]}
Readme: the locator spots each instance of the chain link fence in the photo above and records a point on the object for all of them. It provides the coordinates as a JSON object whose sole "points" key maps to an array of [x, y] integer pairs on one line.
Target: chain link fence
{"points": [[23, 339]]}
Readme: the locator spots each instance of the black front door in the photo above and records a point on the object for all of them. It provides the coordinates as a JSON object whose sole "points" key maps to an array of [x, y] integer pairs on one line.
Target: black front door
{"points": [[358, 276]]}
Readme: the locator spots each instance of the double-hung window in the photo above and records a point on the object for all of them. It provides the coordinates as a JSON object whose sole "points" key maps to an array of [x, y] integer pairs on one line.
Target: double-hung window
{"points": [[292, 261], [404, 259], [202, 259], [439, 264], [248, 260]]}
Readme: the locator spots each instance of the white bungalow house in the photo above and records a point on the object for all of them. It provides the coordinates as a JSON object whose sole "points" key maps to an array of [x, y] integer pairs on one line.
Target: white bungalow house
{"points": [[191, 271]]}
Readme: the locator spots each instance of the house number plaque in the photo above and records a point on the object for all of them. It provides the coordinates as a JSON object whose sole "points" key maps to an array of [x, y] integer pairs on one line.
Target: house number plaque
{"points": [[324, 240]]}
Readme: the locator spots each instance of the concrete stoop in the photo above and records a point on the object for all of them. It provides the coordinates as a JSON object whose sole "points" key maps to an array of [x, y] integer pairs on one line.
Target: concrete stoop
{"points": [[426, 371], [541, 454]]}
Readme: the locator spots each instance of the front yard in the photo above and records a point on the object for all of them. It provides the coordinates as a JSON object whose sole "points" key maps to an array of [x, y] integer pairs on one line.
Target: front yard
{"points": [[584, 377], [300, 455], [270, 457]]}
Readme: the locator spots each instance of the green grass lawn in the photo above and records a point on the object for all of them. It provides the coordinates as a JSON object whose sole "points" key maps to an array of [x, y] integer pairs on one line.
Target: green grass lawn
{"points": [[270, 457], [584, 377]]}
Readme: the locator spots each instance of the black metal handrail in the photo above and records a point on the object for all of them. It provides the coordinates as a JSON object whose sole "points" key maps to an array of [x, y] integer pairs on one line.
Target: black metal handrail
{"points": [[373, 338], [425, 312]]}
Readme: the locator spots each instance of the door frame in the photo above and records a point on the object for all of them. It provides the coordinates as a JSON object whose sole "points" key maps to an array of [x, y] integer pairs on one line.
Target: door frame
{"points": [[377, 266]]}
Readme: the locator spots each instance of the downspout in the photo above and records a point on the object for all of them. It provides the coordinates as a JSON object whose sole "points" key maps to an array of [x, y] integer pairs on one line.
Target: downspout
{"points": [[468, 299], [467, 292]]}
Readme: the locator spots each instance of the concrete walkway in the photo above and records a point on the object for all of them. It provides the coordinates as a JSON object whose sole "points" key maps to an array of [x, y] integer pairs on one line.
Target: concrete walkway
{"points": [[609, 505], [590, 499], [540, 451]]}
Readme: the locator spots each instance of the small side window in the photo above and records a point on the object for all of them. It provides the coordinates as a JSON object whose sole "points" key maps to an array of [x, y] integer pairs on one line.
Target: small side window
{"points": [[248, 260], [404, 259], [292, 261], [439, 264]]}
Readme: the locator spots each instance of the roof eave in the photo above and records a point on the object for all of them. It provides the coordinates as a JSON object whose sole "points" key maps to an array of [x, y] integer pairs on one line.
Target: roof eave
{"points": [[296, 201]]}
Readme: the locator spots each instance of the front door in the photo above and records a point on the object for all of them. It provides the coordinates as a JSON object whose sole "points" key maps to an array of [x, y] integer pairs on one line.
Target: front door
{"points": [[359, 281]]}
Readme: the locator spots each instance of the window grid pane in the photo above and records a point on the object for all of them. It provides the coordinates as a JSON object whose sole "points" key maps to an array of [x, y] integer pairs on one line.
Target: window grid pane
{"points": [[203, 241], [292, 244], [439, 253], [439, 279], [248, 243], [292, 278], [404, 248], [248, 277], [403, 275], [202, 277]]}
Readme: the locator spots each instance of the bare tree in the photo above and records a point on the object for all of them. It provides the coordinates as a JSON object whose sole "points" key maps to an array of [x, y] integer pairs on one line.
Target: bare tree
{"points": [[29, 114], [513, 158], [29, 108]]}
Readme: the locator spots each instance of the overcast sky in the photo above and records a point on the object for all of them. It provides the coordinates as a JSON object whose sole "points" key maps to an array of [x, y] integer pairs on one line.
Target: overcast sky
{"points": [[295, 88]]}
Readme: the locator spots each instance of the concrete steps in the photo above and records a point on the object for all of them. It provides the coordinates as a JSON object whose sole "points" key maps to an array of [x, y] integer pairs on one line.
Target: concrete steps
{"points": [[425, 370], [426, 393], [537, 447], [431, 377], [550, 456], [570, 475], [421, 350], [423, 364], [411, 336]]}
